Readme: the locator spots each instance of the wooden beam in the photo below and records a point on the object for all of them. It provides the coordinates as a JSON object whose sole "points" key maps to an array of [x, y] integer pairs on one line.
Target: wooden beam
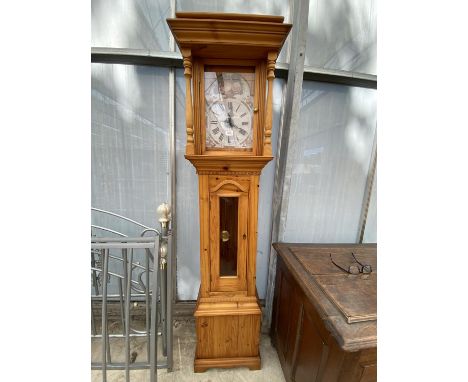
{"points": [[286, 142]]}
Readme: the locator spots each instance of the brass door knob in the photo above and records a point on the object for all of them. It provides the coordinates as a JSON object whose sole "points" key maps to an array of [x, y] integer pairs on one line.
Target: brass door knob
{"points": [[224, 236]]}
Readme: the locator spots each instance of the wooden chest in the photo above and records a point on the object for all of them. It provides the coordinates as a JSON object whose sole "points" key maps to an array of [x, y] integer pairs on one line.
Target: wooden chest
{"points": [[324, 323]]}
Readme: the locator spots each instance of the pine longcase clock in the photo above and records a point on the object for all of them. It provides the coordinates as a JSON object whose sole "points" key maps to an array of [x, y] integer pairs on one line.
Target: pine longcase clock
{"points": [[229, 62]]}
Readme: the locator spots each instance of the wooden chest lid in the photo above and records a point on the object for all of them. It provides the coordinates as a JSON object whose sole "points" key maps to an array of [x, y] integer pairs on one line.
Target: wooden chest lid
{"points": [[348, 303], [354, 295]]}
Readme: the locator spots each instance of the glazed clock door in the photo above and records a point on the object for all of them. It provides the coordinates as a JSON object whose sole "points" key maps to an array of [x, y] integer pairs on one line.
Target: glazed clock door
{"points": [[228, 237], [229, 94]]}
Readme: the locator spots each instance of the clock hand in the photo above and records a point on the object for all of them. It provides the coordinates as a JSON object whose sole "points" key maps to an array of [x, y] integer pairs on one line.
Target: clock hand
{"points": [[229, 120], [234, 125]]}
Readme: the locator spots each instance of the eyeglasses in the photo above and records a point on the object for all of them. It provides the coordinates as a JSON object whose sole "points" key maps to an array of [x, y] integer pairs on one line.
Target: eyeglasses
{"points": [[354, 269], [365, 268]]}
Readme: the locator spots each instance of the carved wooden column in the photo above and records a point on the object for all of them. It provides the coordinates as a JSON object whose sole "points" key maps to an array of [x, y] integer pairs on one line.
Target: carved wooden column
{"points": [[272, 56], [187, 55]]}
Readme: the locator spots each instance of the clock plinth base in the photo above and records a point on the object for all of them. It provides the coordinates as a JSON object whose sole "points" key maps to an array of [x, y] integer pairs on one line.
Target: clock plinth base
{"points": [[228, 333], [201, 365]]}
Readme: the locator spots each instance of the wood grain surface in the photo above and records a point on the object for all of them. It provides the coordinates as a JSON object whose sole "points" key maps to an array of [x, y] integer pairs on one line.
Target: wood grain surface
{"points": [[324, 323], [227, 313]]}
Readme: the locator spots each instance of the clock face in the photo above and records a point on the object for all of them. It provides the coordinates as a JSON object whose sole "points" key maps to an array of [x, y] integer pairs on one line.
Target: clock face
{"points": [[229, 110]]}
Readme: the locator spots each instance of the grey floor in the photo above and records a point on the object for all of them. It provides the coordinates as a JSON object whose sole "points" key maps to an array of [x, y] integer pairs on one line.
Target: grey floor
{"points": [[184, 352]]}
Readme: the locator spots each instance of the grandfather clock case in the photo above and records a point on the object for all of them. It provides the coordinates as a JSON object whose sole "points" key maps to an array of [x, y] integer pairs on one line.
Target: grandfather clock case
{"points": [[229, 62]]}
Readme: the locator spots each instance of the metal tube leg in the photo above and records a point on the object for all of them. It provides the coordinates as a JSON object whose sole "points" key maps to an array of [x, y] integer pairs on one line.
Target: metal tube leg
{"points": [[96, 291], [148, 304], [125, 277], [158, 301], [104, 314], [163, 298], [127, 318], [93, 324], [122, 318], [154, 301], [169, 306], [109, 359], [95, 280]]}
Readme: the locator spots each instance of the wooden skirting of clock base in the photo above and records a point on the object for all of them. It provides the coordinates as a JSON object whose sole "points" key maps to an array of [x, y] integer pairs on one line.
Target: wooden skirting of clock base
{"points": [[203, 364], [228, 333]]}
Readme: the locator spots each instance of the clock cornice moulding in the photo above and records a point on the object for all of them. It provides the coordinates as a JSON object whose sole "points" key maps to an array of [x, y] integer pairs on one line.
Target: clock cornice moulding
{"points": [[219, 164], [203, 32]]}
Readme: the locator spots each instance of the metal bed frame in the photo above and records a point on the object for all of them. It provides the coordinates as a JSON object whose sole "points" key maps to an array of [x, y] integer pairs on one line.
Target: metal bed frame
{"points": [[136, 283]]}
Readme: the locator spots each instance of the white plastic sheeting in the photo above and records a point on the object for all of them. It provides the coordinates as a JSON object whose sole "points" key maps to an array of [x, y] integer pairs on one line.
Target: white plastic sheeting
{"points": [[188, 229], [129, 144], [188, 220], [266, 195], [331, 159], [134, 24], [342, 34]]}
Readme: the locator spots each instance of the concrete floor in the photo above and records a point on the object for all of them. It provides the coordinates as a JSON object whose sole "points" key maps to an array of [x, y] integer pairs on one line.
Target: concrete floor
{"points": [[184, 352]]}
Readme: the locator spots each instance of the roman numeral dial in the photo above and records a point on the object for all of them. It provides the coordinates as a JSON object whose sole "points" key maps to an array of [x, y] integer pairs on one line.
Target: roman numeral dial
{"points": [[229, 124], [229, 109]]}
